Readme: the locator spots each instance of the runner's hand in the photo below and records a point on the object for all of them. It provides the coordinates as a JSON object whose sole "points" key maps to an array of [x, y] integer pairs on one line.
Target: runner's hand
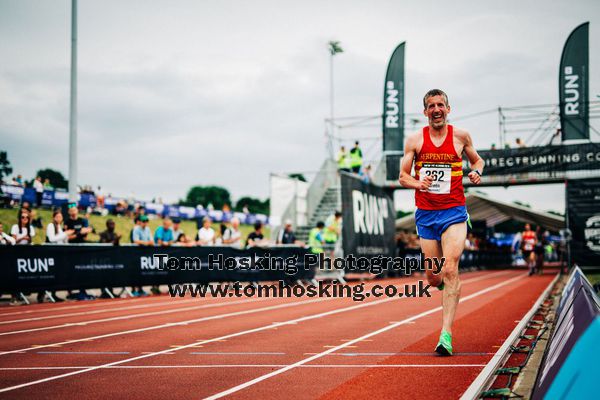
{"points": [[425, 183], [474, 177]]}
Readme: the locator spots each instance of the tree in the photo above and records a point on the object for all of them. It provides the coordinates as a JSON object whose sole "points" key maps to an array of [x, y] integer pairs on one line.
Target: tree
{"points": [[256, 206], [5, 168], [215, 195], [300, 177], [56, 178]]}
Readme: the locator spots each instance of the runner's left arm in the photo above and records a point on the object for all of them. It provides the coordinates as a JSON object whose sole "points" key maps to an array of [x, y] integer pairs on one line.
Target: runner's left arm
{"points": [[476, 162]]}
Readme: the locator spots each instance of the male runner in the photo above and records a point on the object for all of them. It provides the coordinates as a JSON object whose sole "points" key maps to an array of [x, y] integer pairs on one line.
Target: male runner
{"points": [[528, 244], [441, 215]]}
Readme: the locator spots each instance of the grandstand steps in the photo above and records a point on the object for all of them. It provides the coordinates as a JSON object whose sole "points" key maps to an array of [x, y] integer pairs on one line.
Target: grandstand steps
{"points": [[330, 203]]}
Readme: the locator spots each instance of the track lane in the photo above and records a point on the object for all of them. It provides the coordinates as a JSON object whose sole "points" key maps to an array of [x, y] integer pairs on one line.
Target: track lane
{"points": [[256, 338]]}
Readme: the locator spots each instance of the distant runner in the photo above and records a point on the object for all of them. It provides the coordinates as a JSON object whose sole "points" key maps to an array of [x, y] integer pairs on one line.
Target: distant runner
{"points": [[441, 216], [528, 243]]}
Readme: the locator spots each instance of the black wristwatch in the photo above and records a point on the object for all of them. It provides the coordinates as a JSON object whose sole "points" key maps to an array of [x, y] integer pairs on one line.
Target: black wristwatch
{"points": [[478, 172]]}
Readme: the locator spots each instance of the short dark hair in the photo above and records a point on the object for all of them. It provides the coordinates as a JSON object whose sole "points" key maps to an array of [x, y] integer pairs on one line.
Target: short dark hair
{"points": [[320, 224], [434, 92], [257, 225]]}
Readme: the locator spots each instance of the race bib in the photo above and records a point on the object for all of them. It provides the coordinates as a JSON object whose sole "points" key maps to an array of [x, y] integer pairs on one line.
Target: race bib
{"points": [[441, 174]]}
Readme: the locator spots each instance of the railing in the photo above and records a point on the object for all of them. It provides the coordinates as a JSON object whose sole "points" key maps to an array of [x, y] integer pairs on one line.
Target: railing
{"points": [[326, 178]]}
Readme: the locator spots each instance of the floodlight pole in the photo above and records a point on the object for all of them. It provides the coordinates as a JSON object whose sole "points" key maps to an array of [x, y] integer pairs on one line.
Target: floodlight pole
{"points": [[73, 108], [331, 100]]}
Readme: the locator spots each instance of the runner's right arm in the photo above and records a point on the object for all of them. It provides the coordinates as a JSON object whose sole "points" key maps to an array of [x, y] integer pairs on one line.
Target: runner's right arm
{"points": [[406, 179]]}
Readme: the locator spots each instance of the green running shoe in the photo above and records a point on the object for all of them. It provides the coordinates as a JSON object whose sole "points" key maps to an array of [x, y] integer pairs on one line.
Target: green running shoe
{"points": [[444, 346], [440, 286]]}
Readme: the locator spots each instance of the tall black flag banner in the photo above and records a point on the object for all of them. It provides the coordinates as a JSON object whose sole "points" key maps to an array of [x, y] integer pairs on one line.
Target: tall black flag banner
{"points": [[393, 102], [369, 219], [573, 83]]}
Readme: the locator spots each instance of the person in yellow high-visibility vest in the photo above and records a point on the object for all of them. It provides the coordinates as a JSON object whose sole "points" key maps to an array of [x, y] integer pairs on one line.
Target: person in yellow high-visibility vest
{"points": [[332, 231], [315, 238], [343, 160], [356, 159]]}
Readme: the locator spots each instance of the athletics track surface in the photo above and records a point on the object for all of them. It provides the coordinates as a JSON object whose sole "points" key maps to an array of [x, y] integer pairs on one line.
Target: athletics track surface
{"points": [[255, 348]]}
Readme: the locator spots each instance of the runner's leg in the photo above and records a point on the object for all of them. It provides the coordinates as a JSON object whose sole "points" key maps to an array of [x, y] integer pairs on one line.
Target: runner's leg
{"points": [[453, 244], [431, 249]]}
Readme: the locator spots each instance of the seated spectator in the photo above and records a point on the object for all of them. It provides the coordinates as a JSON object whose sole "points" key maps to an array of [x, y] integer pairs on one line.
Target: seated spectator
{"points": [[5, 239], [142, 235], [177, 231], [109, 235], [48, 185], [232, 235], [183, 240], [22, 231], [54, 231], [287, 235], [256, 238], [206, 234], [80, 226], [163, 236]]}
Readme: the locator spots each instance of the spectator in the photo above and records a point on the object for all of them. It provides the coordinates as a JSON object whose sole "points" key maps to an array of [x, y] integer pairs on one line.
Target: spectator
{"points": [[177, 231], [48, 185], [142, 235], [163, 236], [22, 231], [520, 143], [343, 160], [79, 226], [287, 235], [356, 158], [39, 191], [366, 174], [4, 238], [256, 238], [315, 238], [206, 234], [245, 209], [232, 236], [109, 235], [54, 231], [493, 146], [471, 243], [19, 180], [183, 240], [100, 198], [333, 231]]}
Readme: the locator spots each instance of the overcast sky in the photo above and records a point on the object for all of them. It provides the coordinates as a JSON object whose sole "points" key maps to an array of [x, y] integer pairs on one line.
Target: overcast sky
{"points": [[180, 93]]}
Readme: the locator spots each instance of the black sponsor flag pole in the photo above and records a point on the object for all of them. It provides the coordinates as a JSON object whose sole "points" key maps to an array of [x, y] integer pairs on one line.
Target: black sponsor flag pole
{"points": [[393, 102], [573, 85]]}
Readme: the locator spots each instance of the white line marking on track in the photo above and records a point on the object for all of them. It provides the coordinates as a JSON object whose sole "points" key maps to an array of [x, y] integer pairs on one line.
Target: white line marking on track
{"points": [[167, 325], [134, 307], [129, 316], [259, 329], [254, 366], [344, 345], [82, 352]]}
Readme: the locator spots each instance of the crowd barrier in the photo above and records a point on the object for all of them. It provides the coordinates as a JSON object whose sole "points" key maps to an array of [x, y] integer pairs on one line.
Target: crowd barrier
{"points": [[65, 267], [56, 198], [571, 364]]}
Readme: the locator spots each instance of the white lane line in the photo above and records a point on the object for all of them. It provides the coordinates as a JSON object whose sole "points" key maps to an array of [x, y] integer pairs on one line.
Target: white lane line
{"points": [[152, 301], [89, 304], [130, 316], [164, 303], [166, 325], [237, 353], [252, 366], [344, 345], [82, 352], [259, 329]]}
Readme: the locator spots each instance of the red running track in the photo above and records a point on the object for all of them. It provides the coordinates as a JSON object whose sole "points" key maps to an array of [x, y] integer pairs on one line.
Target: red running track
{"points": [[259, 348]]}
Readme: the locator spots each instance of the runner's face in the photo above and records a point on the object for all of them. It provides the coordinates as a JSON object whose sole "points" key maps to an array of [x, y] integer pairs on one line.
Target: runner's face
{"points": [[437, 111]]}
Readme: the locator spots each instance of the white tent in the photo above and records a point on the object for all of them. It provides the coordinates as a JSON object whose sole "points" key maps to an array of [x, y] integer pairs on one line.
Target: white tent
{"points": [[481, 207]]}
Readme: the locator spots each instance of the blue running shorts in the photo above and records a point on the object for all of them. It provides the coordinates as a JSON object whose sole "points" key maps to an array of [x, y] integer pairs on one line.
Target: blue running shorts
{"points": [[432, 223]]}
